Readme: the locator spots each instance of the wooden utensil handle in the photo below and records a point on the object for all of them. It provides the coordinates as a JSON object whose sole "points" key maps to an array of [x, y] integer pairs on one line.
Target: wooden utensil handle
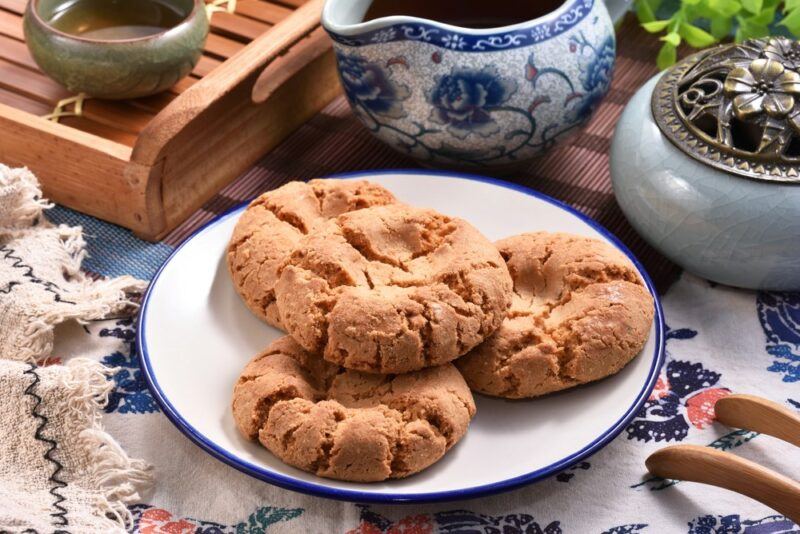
{"points": [[725, 470], [759, 414]]}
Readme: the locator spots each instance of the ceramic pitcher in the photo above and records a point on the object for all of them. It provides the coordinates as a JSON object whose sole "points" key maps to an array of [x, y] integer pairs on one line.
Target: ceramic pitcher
{"points": [[464, 96]]}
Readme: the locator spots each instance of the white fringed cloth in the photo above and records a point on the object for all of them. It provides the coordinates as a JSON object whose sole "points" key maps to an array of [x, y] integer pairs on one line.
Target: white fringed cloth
{"points": [[59, 471]]}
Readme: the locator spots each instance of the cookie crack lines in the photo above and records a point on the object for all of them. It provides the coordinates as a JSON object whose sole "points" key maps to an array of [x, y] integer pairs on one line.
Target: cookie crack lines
{"points": [[435, 232], [580, 312], [265, 404], [362, 427], [426, 331], [320, 195], [401, 288], [283, 214], [359, 243], [269, 229]]}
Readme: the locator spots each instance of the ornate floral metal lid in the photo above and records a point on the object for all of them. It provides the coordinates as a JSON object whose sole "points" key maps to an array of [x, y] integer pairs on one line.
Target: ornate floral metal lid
{"points": [[737, 108]]}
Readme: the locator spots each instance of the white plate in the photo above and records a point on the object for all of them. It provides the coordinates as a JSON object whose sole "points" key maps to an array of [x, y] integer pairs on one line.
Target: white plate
{"points": [[195, 337]]}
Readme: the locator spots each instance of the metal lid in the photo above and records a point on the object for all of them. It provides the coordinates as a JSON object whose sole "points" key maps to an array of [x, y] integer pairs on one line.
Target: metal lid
{"points": [[736, 107]]}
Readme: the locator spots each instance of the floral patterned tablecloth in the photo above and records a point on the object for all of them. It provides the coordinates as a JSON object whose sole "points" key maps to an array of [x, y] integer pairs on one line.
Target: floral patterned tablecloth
{"points": [[720, 340]]}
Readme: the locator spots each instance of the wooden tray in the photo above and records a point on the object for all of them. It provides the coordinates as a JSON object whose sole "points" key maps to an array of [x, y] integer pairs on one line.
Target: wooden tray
{"points": [[147, 164]]}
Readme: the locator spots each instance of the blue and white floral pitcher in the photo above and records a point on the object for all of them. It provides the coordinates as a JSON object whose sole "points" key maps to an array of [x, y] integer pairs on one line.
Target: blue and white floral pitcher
{"points": [[455, 96]]}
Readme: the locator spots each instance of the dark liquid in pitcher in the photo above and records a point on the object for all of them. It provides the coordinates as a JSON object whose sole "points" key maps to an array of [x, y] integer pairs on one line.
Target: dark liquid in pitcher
{"points": [[115, 19], [466, 13]]}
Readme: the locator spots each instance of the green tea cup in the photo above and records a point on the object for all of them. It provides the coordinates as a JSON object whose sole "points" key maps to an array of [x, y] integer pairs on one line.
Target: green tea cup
{"points": [[116, 68]]}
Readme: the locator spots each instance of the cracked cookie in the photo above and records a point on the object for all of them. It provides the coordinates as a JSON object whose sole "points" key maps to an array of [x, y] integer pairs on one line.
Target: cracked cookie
{"points": [[345, 424], [393, 289], [272, 225], [580, 312]]}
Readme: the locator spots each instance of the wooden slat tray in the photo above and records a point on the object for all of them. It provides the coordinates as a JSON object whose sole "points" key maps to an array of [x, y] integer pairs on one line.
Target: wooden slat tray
{"points": [[147, 164]]}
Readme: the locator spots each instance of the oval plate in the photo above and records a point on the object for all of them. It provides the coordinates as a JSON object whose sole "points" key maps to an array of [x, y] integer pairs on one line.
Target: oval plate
{"points": [[195, 336]]}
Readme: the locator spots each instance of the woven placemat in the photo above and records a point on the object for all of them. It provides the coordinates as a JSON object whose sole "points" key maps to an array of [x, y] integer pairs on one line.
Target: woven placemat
{"points": [[576, 172]]}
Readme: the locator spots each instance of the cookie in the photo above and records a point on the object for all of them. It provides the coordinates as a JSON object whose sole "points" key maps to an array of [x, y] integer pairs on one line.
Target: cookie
{"points": [[348, 425], [272, 225], [580, 313], [393, 289]]}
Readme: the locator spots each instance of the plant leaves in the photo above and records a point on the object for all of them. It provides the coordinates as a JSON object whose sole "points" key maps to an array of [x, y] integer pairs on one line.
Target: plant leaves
{"points": [[672, 38], [666, 56], [721, 27], [753, 6], [749, 30], [695, 36], [726, 8], [701, 11], [764, 18], [702, 23], [655, 26], [644, 12], [792, 21], [790, 5]]}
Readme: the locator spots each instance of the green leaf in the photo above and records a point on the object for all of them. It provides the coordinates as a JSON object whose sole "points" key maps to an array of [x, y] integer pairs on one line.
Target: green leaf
{"points": [[792, 22], [790, 5], [757, 32], [644, 12], [726, 8], [749, 30], [655, 26], [701, 11], [673, 39], [666, 56], [764, 18], [721, 27], [753, 6], [695, 36]]}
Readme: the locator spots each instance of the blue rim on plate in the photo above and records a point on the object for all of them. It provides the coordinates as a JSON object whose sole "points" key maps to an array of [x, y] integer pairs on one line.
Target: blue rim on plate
{"points": [[320, 490]]}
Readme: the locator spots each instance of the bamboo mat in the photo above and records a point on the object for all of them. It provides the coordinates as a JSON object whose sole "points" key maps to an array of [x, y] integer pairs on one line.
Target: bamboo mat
{"points": [[576, 172]]}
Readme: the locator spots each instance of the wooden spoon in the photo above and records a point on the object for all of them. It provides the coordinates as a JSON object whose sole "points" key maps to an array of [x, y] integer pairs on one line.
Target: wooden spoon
{"points": [[759, 414], [725, 470], [722, 469]]}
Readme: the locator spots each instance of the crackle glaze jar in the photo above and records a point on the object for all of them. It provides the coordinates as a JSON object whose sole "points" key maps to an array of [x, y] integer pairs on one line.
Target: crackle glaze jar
{"points": [[705, 164], [453, 95]]}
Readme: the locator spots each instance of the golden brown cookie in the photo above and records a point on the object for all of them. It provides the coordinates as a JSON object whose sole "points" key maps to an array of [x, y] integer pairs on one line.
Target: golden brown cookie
{"points": [[580, 312], [349, 425], [272, 225], [393, 289]]}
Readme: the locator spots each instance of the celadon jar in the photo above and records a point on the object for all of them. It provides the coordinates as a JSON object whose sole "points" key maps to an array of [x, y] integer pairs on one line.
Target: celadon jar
{"points": [[705, 164]]}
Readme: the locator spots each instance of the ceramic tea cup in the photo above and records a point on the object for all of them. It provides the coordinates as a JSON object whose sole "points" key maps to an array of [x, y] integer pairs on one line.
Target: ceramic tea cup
{"points": [[116, 68], [455, 94]]}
